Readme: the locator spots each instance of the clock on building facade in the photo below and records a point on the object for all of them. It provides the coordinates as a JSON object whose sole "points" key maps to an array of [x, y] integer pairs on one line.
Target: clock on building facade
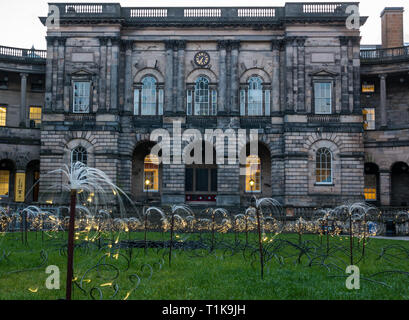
{"points": [[202, 59]]}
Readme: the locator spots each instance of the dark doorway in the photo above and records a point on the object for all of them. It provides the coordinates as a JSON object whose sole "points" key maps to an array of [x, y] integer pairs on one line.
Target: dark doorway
{"points": [[400, 185]]}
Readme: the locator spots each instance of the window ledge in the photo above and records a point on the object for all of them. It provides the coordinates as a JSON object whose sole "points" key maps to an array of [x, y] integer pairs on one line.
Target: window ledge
{"points": [[324, 184]]}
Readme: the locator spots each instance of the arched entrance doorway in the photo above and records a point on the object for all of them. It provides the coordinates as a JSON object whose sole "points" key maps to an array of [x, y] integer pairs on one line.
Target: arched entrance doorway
{"points": [[201, 178], [371, 185], [146, 182], [400, 184], [7, 176], [257, 178]]}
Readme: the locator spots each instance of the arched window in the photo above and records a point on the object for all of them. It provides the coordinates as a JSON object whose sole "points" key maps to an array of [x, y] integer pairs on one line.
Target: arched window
{"points": [[202, 98], [148, 98], [151, 173], [253, 174], [79, 154], [255, 98], [324, 166]]}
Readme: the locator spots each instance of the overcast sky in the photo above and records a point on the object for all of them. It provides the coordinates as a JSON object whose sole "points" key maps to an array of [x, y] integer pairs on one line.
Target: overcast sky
{"points": [[20, 26]]}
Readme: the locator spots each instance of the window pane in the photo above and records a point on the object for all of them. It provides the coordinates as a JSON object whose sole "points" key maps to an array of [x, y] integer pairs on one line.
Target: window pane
{"points": [[81, 97], [160, 106], [267, 102], [148, 101], [4, 182], [202, 99], [79, 154], [35, 115], [323, 97], [369, 118], [324, 166], [243, 102], [253, 174], [3, 116], [189, 179], [255, 97], [189, 102], [202, 180], [214, 102], [136, 102], [151, 173]]}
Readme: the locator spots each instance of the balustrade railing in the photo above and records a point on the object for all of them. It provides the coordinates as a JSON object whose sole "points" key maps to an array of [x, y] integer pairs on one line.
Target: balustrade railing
{"points": [[385, 55], [24, 54]]}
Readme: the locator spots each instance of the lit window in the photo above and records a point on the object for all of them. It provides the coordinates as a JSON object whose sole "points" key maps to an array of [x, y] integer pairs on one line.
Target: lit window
{"points": [[79, 154], [35, 115], [253, 174], [4, 182], [324, 166], [151, 173], [323, 97], [368, 88], [369, 118], [370, 187], [255, 97], [81, 97], [3, 116]]}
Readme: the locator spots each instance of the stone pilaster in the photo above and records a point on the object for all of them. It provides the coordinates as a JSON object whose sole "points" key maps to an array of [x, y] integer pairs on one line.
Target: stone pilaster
{"points": [[344, 43], [234, 78], [356, 70], [275, 85], [168, 107], [383, 107], [289, 62], [103, 74], [301, 74], [60, 74], [128, 107], [114, 74], [222, 48], [180, 101], [48, 75]]}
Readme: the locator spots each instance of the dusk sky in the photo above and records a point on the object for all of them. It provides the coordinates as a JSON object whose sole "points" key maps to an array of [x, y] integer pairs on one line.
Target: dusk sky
{"points": [[21, 27]]}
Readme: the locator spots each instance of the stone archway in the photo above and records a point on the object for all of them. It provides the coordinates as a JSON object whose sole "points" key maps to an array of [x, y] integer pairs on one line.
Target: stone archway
{"points": [[400, 184]]}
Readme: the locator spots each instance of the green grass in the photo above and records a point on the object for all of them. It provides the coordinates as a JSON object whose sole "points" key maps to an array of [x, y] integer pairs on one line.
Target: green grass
{"points": [[217, 275]]}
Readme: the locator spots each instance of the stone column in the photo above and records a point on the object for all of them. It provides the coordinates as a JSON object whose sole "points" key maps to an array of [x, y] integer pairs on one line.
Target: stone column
{"points": [[385, 187], [275, 85], [221, 47], [168, 108], [384, 120], [23, 100], [234, 78], [180, 100], [128, 77], [356, 62], [289, 87], [114, 74]]}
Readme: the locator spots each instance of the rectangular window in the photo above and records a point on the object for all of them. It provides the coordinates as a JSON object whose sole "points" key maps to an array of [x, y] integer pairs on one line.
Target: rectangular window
{"points": [[4, 182], [82, 92], [3, 116], [201, 180], [35, 116], [369, 118], [243, 102], [189, 102], [267, 102], [136, 102], [368, 88], [160, 102], [323, 97]]}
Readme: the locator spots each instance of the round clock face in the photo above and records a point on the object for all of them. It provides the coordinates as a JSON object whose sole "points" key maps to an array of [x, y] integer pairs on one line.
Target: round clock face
{"points": [[202, 58]]}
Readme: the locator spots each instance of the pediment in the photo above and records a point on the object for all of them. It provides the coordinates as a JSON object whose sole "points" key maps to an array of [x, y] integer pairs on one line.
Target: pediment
{"points": [[324, 73], [82, 72]]}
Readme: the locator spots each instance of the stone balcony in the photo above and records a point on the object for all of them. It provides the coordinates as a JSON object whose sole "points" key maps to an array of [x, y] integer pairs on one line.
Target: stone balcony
{"points": [[388, 55]]}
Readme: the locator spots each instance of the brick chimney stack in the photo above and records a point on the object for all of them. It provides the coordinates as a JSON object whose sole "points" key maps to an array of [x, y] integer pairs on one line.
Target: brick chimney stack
{"points": [[392, 27]]}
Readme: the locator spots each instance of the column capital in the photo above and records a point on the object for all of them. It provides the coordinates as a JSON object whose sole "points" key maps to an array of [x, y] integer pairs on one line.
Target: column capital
{"points": [[115, 41], [62, 41], [277, 44], [127, 44], [24, 75], [382, 76], [235, 44], [169, 44], [103, 41], [180, 44], [222, 44], [50, 40], [344, 41]]}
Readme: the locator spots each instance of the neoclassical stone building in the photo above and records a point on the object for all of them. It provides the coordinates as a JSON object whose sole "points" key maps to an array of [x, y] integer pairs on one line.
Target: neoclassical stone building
{"points": [[113, 75]]}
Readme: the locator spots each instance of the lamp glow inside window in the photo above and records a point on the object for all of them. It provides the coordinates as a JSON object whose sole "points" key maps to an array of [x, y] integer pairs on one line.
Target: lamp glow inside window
{"points": [[370, 187], [151, 174], [253, 174], [4, 182], [324, 166], [79, 154], [35, 115], [3, 116], [369, 118], [81, 97]]}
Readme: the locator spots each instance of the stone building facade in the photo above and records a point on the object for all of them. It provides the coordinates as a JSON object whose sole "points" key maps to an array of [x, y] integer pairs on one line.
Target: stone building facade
{"points": [[113, 75]]}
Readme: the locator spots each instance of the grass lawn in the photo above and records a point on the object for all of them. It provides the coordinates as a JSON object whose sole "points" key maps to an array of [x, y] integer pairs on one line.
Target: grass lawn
{"points": [[230, 272]]}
